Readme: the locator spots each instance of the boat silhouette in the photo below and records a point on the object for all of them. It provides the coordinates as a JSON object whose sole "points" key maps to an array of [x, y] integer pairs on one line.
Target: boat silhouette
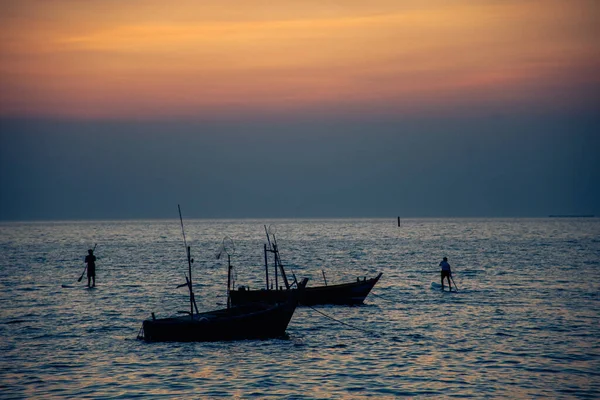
{"points": [[351, 293], [257, 320]]}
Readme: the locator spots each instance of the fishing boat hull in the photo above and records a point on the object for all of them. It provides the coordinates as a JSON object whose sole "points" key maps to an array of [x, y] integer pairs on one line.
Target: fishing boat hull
{"points": [[353, 293], [251, 321]]}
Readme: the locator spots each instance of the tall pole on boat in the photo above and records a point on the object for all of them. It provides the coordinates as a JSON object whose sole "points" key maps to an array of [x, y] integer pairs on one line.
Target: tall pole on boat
{"points": [[191, 291], [276, 277], [229, 247], [189, 264], [275, 256], [278, 262], [228, 281], [266, 267]]}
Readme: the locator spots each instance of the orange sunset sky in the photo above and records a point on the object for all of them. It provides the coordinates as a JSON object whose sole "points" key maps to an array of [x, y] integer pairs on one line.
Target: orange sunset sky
{"points": [[148, 59]]}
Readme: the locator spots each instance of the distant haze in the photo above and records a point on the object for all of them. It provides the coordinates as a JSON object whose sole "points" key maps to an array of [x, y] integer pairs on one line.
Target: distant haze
{"points": [[421, 168], [253, 109]]}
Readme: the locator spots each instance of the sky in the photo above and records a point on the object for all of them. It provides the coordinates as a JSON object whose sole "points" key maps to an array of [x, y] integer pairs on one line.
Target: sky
{"points": [[256, 109]]}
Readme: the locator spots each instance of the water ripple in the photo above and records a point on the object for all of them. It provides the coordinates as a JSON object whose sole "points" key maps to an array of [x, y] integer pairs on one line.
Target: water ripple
{"points": [[521, 325]]}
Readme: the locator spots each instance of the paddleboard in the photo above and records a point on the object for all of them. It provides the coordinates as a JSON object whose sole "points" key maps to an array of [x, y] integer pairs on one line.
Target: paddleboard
{"points": [[77, 287], [437, 286]]}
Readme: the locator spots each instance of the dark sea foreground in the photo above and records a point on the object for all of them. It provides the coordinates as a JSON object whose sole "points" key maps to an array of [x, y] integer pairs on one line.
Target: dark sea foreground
{"points": [[524, 323]]}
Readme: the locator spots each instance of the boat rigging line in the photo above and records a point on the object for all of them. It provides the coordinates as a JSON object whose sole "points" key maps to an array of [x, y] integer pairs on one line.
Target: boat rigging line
{"points": [[382, 298], [344, 323], [190, 261], [140, 335]]}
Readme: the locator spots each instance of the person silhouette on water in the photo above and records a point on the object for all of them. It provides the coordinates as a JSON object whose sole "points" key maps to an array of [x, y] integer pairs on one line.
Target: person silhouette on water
{"points": [[90, 260], [446, 272]]}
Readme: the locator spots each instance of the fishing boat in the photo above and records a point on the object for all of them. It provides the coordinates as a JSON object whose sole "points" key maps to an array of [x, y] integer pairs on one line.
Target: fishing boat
{"points": [[252, 321], [248, 321], [351, 293]]}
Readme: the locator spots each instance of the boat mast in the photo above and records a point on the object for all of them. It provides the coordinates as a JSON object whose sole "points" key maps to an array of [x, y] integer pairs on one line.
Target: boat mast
{"points": [[190, 261], [266, 267], [278, 265], [272, 250], [228, 247], [228, 281], [278, 262]]}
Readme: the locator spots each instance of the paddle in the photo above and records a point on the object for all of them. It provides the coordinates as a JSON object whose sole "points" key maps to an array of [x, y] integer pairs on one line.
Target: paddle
{"points": [[453, 282], [81, 277]]}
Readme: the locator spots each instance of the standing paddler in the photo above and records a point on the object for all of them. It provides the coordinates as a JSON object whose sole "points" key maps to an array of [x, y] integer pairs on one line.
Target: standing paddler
{"points": [[446, 272], [90, 260]]}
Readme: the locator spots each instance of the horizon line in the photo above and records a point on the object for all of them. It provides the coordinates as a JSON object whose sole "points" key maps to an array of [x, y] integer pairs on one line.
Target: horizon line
{"points": [[65, 220]]}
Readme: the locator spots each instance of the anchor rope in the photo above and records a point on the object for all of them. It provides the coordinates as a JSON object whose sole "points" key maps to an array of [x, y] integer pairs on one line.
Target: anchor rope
{"points": [[342, 322], [382, 298], [140, 335]]}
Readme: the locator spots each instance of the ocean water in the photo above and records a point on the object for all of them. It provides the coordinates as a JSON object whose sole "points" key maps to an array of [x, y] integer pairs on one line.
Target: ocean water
{"points": [[524, 323]]}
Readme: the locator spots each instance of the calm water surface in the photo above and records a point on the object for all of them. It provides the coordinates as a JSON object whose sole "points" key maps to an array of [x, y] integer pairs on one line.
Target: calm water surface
{"points": [[524, 323]]}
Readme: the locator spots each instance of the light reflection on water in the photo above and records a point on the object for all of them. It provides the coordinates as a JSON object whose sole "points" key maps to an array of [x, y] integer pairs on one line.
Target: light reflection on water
{"points": [[525, 321]]}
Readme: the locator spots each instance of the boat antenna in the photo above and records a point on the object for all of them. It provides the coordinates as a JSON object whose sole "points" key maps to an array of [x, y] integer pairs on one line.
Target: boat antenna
{"points": [[182, 230], [272, 250], [190, 261], [229, 247], [278, 262]]}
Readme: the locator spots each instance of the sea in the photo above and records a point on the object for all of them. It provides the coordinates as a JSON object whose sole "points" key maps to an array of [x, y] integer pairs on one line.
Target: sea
{"points": [[523, 320]]}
